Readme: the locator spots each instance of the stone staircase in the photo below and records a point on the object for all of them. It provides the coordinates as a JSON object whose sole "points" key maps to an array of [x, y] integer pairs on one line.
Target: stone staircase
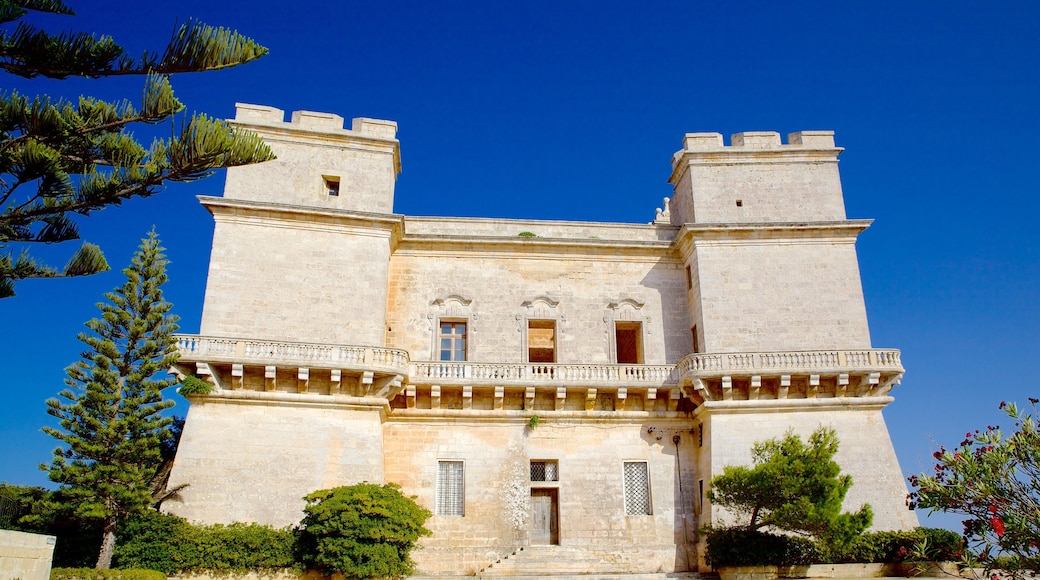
{"points": [[565, 563]]}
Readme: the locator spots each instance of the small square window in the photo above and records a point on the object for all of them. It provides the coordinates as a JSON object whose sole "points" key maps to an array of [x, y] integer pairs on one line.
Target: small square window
{"points": [[332, 186], [545, 471]]}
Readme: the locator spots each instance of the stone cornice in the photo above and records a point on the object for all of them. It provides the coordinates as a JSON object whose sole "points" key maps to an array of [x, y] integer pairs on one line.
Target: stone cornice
{"points": [[295, 400], [829, 232], [792, 405], [608, 249], [303, 217], [463, 417]]}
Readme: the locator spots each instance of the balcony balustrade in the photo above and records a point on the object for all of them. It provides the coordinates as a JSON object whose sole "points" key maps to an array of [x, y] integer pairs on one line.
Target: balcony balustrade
{"points": [[385, 372], [448, 373]]}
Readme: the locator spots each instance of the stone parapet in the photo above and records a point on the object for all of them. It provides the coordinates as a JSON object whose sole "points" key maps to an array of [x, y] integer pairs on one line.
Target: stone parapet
{"points": [[789, 375]]}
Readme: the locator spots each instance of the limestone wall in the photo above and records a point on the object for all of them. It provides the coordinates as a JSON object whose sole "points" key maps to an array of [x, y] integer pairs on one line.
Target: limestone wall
{"points": [[312, 148], [590, 456], [780, 295], [757, 179], [278, 276], [25, 556], [865, 451], [254, 461], [498, 289]]}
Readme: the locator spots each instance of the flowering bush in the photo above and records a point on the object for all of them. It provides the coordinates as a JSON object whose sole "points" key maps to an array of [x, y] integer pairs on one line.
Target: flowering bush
{"points": [[993, 480]]}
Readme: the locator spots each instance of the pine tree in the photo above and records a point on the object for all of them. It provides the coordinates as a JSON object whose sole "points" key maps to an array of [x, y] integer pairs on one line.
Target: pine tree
{"points": [[111, 422], [794, 486], [59, 158]]}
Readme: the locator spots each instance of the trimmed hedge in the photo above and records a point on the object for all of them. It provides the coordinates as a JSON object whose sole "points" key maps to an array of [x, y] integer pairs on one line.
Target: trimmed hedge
{"points": [[170, 544], [739, 547], [938, 545], [93, 574]]}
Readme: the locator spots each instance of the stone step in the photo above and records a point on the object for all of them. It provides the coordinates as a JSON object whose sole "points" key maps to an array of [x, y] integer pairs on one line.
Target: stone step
{"points": [[660, 576], [566, 562]]}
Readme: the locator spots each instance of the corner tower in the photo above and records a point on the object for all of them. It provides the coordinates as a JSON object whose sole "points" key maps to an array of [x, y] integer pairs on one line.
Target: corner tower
{"points": [[776, 309], [771, 258], [293, 326], [310, 232]]}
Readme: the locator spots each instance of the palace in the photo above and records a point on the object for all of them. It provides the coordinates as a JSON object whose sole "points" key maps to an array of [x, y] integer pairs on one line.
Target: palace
{"points": [[553, 385]]}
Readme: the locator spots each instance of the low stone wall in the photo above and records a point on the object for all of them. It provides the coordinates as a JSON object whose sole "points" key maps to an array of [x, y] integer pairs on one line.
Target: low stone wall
{"points": [[903, 570], [25, 556]]}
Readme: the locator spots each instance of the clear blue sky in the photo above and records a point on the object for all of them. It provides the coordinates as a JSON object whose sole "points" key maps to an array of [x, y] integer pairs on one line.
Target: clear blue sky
{"points": [[571, 110]]}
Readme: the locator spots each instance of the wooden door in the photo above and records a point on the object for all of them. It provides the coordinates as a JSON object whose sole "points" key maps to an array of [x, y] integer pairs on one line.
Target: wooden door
{"points": [[544, 522]]}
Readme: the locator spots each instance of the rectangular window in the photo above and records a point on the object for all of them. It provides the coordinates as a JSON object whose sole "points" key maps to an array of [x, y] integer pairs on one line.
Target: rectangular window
{"points": [[628, 337], [696, 340], [541, 341], [545, 471], [637, 489], [453, 341], [689, 278], [451, 488], [331, 185]]}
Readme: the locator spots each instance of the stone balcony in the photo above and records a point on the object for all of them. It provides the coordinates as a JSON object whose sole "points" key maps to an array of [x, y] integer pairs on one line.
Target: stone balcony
{"points": [[789, 375], [260, 365], [233, 364]]}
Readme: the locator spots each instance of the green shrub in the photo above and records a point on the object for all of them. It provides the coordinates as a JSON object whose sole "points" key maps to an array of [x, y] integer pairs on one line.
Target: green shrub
{"points": [[362, 531], [527, 235], [738, 547], [171, 544], [192, 385], [93, 574], [892, 547]]}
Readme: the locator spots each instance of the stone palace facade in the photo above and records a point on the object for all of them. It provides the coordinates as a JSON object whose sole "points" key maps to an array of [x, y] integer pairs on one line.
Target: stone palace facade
{"points": [[532, 383]]}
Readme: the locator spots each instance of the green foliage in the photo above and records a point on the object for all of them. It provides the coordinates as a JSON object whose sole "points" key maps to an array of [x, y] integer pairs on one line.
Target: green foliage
{"points": [[16, 503], [739, 546], [111, 422], [534, 422], [59, 158], [527, 235], [993, 480], [931, 544], [362, 531], [171, 544], [40, 511], [795, 487], [94, 574], [192, 385]]}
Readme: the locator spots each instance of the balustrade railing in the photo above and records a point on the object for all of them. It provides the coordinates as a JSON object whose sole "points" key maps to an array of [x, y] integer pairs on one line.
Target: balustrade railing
{"points": [[203, 348], [261, 351], [798, 361], [541, 372]]}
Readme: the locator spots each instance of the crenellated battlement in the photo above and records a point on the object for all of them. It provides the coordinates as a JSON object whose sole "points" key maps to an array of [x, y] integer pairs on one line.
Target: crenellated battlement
{"points": [[247, 114], [320, 163], [757, 141], [756, 178]]}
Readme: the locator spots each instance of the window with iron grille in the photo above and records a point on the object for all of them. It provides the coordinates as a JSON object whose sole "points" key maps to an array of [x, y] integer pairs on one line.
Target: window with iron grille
{"points": [[637, 488], [451, 488], [545, 471]]}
